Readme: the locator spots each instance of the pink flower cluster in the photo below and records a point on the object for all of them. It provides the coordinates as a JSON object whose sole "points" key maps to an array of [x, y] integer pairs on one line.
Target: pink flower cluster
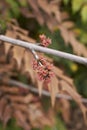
{"points": [[44, 40], [43, 69]]}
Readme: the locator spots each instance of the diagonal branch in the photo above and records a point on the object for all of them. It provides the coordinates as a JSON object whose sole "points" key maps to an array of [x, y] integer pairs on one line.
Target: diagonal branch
{"points": [[35, 90], [45, 50]]}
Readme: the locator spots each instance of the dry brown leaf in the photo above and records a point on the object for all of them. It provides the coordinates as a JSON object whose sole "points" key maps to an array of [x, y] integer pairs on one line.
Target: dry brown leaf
{"points": [[10, 89], [44, 5], [6, 69], [29, 98], [37, 117], [8, 45], [18, 55], [39, 84], [78, 48], [56, 10], [49, 8], [60, 74], [21, 120], [69, 38], [36, 11], [45, 17], [64, 33], [75, 96], [64, 16], [15, 98], [7, 114], [40, 87], [28, 59], [65, 109], [3, 103], [21, 107], [68, 24], [53, 89]]}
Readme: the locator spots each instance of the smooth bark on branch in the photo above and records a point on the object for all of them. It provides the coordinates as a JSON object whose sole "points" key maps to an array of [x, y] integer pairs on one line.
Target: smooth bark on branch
{"points": [[31, 46], [35, 90]]}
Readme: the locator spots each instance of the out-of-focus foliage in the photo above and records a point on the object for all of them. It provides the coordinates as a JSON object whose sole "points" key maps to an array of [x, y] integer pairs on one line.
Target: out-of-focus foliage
{"points": [[11, 125], [75, 13]]}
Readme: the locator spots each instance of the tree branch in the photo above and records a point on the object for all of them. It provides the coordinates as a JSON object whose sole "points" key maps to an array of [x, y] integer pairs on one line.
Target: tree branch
{"points": [[44, 49], [35, 90]]}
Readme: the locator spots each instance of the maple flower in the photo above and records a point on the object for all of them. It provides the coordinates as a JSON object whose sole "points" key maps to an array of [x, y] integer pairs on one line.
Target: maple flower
{"points": [[43, 69], [44, 40]]}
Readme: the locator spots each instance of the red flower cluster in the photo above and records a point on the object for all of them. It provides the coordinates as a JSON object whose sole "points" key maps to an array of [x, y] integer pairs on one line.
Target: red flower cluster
{"points": [[44, 40], [44, 69]]}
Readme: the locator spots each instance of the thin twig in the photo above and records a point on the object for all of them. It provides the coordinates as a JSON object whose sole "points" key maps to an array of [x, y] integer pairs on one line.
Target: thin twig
{"points": [[45, 50], [35, 54], [44, 92]]}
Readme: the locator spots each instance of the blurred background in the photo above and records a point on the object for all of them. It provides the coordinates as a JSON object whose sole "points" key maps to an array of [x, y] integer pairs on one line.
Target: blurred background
{"points": [[65, 22]]}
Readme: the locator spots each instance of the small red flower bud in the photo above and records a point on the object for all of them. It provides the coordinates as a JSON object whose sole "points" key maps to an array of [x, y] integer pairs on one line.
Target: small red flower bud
{"points": [[42, 37], [43, 69], [44, 40]]}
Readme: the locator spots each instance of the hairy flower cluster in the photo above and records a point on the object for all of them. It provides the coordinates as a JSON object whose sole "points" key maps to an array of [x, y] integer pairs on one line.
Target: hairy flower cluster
{"points": [[44, 40], [43, 69]]}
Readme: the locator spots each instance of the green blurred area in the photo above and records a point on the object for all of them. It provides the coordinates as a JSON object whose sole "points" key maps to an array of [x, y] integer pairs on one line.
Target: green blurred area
{"points": [[77, 9], [11, 126]]}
